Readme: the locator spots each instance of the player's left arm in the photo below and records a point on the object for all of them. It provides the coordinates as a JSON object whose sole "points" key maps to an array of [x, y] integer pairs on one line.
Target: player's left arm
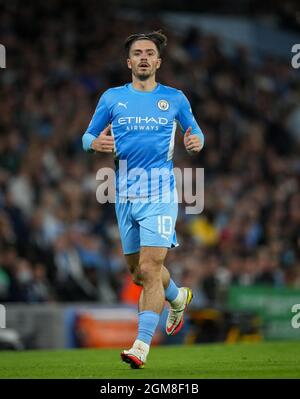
{"points": [[193, 136]]}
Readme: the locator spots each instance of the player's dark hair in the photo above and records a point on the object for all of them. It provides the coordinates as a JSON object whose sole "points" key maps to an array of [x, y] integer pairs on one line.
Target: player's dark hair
{"points": [[157, 37]]}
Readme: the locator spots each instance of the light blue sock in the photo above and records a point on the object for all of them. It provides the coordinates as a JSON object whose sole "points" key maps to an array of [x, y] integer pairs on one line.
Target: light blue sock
{"points": [[172, 291], [148, 322]]}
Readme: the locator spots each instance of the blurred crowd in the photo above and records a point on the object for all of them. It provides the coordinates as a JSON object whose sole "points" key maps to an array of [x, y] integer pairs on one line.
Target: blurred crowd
{"points": [[57, 243]]}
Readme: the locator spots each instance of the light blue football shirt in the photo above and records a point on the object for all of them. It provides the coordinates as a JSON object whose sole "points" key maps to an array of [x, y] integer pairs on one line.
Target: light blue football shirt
{"points": [[143, 125]]}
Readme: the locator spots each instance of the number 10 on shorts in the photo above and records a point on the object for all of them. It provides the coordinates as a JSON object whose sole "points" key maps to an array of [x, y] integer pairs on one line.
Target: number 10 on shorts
{"points": [[164, 224]]}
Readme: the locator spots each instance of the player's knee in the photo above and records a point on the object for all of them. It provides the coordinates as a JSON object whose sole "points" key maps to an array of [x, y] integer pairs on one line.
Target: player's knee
{"points": [[150, 271]]}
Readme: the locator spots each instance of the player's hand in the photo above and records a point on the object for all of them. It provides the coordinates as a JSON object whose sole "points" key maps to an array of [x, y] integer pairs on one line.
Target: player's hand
{"points": [[104, 142], [192, 142]]}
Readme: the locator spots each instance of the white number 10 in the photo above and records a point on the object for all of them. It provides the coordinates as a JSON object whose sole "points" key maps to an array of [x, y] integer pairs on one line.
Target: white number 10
{"points": [[164, 224]]}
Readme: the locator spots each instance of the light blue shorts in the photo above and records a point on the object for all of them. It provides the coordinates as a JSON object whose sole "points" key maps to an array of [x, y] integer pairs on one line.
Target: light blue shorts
{"points": [[146, 224]]}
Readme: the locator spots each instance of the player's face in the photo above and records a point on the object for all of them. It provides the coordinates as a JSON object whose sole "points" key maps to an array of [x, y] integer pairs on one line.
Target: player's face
{"points": [[143, 59]]}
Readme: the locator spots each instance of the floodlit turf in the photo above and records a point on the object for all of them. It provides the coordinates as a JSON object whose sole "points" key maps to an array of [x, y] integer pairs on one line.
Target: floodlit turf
{"points": [[252, 360]]}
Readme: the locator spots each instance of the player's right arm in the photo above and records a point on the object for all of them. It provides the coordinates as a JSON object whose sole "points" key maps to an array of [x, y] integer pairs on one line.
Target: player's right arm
{"points": [[97, 138]]}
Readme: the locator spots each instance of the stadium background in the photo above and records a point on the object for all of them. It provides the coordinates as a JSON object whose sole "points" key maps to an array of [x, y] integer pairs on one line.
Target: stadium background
{"points": [[62, 274]]}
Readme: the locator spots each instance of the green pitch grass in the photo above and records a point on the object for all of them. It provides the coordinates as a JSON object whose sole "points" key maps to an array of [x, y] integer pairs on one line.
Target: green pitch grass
{"points": [[252, 360]]}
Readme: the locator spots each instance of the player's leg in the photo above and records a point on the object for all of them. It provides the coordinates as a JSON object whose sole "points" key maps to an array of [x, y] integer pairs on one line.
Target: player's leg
{"points": [[150, 266], [157, 234], [158, 229], [151, 261], [132, 261], [172, 293], [178, 298]]}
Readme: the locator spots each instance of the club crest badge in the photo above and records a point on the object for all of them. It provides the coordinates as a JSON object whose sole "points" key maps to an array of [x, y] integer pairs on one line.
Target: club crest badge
{"points": [[163, 105]]}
